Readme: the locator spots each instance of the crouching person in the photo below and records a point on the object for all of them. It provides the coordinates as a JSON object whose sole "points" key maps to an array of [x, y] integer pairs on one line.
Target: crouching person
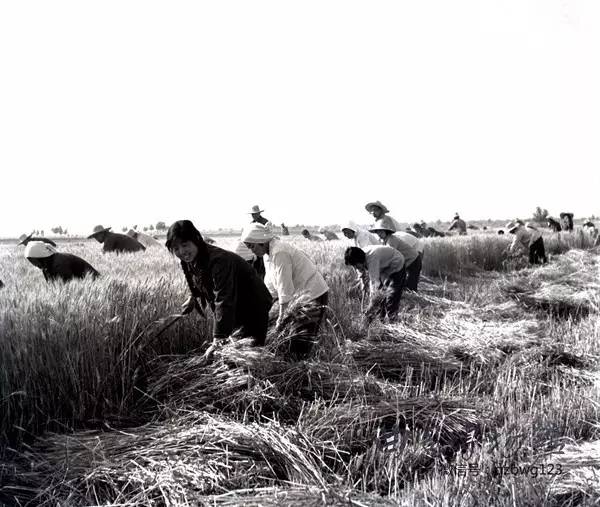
{"points": [[530, 238], [223, 281], [293, 274], [384, 268], [56, 265], [409, 246]]}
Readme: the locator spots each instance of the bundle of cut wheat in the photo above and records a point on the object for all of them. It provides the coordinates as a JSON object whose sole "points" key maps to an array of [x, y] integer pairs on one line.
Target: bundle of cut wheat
{"points": [[168, 464], [354, 426], [295, 495], [569, 286]]}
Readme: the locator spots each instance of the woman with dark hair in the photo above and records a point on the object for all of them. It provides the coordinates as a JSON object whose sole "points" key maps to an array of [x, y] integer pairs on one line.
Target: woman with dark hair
{"points": [[222, 280]]}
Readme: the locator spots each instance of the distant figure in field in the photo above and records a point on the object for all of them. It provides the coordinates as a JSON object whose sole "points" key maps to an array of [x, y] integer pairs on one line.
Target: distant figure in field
{"points": [[554, 225], [567, 221], [115, 242], [415, 230], [309, 236], [293, 274], [590, 228], [223, 281], [500, 231], [145, 239], [458, 224], [434, 233], [56, 265], [360, 236], [472, 227], [284, 230], [528, 238], [382, 267], [380, 213], [257, 217], [411, 249], [24, 239], [329, 235], [245, 253], [426, 232]]}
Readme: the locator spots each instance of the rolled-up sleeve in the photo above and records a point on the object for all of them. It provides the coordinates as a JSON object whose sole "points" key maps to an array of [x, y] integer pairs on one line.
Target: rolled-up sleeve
{"points": [[225, 292], [282, 277]]}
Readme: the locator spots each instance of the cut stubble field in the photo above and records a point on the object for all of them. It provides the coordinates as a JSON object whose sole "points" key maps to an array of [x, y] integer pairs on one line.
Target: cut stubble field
{"points": [[485, 392]]}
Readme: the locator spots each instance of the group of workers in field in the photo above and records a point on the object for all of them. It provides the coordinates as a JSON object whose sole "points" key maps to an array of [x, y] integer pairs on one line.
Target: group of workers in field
{"points": [[232, 283]]}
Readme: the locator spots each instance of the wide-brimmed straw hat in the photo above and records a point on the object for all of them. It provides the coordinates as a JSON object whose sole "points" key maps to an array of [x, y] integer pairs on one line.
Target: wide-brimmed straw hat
{"points": [[98, 229], [256, 233], [379, 204], [511, 226], [244, 252], [23, 238], [39, 250], [256, 209], [380, 226]]}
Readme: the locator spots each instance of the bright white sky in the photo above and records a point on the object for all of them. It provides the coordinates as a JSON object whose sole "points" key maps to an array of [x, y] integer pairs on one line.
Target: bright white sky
{"points": [[129, 112]]}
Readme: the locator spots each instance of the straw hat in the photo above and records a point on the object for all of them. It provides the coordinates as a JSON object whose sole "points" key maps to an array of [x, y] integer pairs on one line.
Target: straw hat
{"points": [[244, 252], [39, 250], [256, 209], [379, 204], [256, 233], [380, 226], [23, 238], [511, 226], [98, 229]]}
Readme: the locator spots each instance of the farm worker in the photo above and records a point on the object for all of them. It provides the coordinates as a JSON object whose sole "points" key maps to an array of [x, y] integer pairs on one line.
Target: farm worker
{"points": [[115, 242], [24, 239], [458, 224], [309, 236], [379, 212], [567, 221], [245, 253], [56, 265], [223, 281], [257, 217], [329, 235], [590, 228], [411, 249], [554, 224], [360, 236], [144, 239], [284, 230], [528, 237], [293, 274], [383, 267]]}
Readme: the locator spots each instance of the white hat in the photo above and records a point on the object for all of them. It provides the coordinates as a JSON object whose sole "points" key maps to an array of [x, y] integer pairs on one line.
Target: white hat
{"points": [[256, 233], [39, 250], [511, 226], [379, 204], [244, 252]]}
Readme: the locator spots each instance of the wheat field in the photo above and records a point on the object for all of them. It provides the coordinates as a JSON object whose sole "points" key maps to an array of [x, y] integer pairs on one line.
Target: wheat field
{"points": [[485, 392]]}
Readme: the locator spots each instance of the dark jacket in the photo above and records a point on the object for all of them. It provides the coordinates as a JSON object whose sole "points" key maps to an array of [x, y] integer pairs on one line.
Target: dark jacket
{"points": [[231, 287], [43, 240], [65, 267], [115, 242]]}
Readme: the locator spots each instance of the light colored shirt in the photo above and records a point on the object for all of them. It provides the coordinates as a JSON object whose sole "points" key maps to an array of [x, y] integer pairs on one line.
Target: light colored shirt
{"points": [[525, 236], [382, 262], [413, 241], [408, 252], [293, 273]]}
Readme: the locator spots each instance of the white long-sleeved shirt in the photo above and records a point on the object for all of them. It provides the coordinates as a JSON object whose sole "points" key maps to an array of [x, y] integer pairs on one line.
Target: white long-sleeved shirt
{"points": [[408, 252], [413, 241], [382, 262], [525, 236], [293, 273]]}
